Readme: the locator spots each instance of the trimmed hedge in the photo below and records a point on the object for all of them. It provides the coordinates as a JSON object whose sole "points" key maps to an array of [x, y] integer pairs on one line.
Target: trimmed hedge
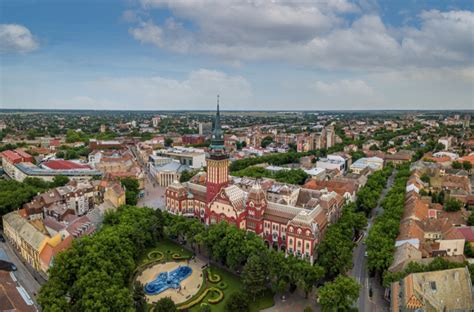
{"points": [[177, 256], [222, 285], [220, 296], [213, 278], [202, 296], [159, 253]]}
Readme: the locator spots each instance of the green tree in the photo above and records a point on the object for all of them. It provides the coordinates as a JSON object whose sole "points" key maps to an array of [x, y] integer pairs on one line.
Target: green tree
{"points": [[456, 165], [254, 275], [466, 165], [470, 219], [168, 142], [131, 190], [186, 175], [94, 273], [165, 305], [452, 205], [339, 295], [139, 297], [266, 141], [60, 180], [204, 307], [237, 302]]}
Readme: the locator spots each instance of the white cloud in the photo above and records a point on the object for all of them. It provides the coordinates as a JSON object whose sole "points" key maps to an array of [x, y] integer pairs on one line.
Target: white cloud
{"points": [[344, 87], [446, 37], [197, 90], [312, 33], [16, 38]]}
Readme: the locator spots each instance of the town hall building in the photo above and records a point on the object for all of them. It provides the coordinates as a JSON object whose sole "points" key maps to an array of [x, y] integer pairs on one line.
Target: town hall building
{"points": [[293, 220]]}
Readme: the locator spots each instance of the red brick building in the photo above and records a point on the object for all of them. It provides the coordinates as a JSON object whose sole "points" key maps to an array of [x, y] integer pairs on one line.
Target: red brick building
{"points": [[295, 227]]}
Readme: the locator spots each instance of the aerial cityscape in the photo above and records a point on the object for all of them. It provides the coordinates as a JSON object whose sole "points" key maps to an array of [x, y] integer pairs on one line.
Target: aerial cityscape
{"points": [[237, 156]]}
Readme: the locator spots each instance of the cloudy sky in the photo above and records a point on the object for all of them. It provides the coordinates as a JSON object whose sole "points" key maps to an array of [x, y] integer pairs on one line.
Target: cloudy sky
{"points": [[178, 54]]}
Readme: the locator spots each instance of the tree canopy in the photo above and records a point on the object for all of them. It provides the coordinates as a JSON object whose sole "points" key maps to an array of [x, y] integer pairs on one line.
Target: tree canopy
{"points": [[93, 274], [339, 295]]}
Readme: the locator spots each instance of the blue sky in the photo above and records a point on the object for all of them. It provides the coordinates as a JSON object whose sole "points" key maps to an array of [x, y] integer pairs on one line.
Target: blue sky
{"points": [[158, 54]]}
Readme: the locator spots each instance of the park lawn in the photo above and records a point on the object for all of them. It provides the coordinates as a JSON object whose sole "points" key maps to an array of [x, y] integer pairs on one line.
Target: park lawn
{"points": [[164, 246], [233, 284]]}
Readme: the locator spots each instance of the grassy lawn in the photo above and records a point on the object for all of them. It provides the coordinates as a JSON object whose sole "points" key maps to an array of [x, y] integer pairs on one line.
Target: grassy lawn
{"points": [[233, 284], [168, 248]]}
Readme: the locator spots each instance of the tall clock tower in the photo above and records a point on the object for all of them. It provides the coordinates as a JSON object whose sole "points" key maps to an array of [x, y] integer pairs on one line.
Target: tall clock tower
{"points": [[217, 162]]}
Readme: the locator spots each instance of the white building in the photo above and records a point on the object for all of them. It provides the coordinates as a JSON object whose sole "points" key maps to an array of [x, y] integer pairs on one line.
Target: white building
{"points": [[374, 163], [446, 141], [193, 157], [332, 162]]}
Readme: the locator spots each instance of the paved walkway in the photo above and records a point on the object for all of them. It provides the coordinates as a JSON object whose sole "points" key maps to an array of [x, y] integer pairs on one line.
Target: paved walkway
{"points": [[295, 302]]}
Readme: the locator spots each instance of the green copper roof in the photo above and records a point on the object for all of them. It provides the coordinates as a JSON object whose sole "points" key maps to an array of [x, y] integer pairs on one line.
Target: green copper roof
{"points": [[217, 139]]}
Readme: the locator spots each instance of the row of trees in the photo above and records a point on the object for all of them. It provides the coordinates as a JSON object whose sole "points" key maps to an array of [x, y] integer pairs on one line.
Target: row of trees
{"points": [[262, 267], [14, 194], [278, 159], [368, 196], [381, 239], [292, 176], [94, 274], [466, 165], [246, 252], [131, 190], [335, 251]]}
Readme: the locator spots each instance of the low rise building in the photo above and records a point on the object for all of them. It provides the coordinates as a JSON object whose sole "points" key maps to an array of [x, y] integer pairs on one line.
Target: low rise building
{"points": [[373, 163], [192, 157], [446, 290], [168, 172], [18, 165]]}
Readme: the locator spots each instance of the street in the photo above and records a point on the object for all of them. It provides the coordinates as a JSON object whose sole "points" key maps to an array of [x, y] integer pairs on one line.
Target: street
{"points": [[154, 196], [359, 271], [23, 274]]}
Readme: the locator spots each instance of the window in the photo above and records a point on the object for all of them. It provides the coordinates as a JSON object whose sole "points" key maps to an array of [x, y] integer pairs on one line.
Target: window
{"points": [[299, 243]]}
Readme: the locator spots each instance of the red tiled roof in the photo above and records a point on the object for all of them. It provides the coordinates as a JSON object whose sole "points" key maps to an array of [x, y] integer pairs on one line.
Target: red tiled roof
{"points": [[60, 164], [467, 232], [23, 154], [49, 251], [469, 158], [11, 156]]}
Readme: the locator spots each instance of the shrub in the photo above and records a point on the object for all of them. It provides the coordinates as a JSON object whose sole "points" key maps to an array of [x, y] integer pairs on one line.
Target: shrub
{"points": [[204, 307], [213, 278], [177, 256], [222, 285], [220, 296], [202, 296], [155, 255]]}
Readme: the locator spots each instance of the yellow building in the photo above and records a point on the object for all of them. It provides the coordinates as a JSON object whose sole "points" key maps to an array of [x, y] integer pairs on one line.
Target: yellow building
{"points": [[27, 238]]}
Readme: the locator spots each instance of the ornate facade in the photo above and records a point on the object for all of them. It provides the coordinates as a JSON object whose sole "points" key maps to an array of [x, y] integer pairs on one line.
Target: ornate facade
{"points": [[287, 217]]}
